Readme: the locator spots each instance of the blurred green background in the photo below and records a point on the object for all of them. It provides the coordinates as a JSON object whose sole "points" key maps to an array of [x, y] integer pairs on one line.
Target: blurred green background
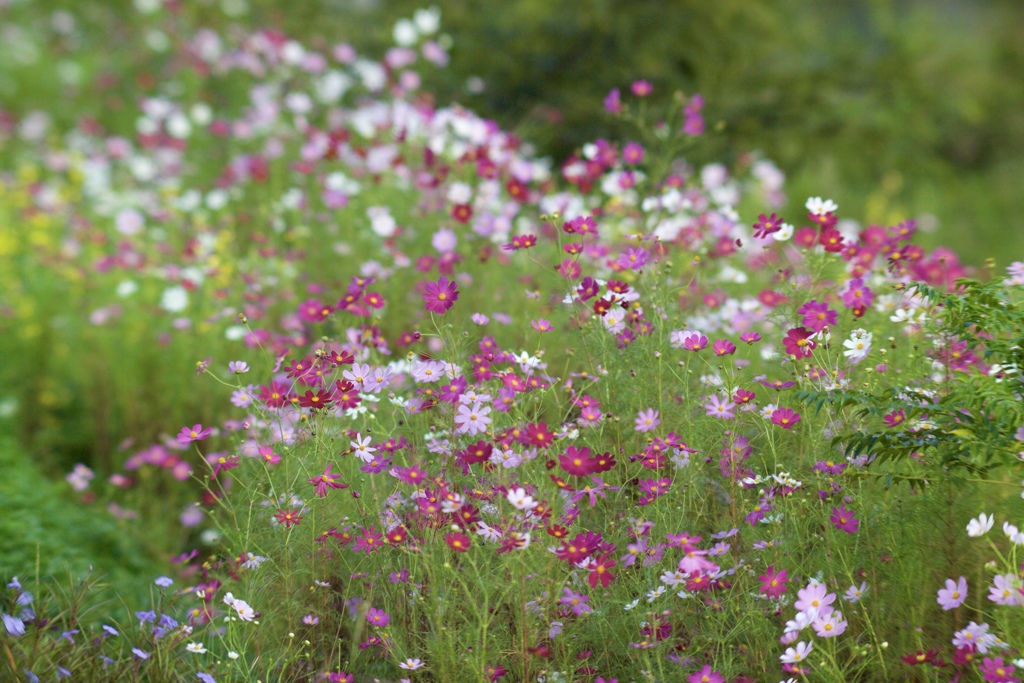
{"points": [[893, 108]]}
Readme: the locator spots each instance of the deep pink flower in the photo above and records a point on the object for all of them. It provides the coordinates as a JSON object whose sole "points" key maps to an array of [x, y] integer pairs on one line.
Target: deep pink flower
{"points": [[441, 295], [642, 88], [222, 463], [457, 542], [798, 342], [325, 481], [773, 584], [785, 417], [633, 153], [893, 419], [766, 225], [844, 520], [723, 347], [288, 518], [817, 315], [994, 670], [695, 342], [706, 675]]}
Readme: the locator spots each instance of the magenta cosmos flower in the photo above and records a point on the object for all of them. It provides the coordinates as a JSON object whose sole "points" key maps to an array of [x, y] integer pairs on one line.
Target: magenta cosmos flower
{"points": [[844, 520], [773, 584], [441, 295], [706, 675], [785, 417], [723, 347]]}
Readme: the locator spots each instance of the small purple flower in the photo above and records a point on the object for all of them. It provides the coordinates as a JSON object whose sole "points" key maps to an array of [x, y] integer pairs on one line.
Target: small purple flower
{"points": [[953, 595], [576, 601], [554, 630], [145, 617], [206, 678], [378, 617], [111, 630], [140, 654], [14, 625], [164, 581]]}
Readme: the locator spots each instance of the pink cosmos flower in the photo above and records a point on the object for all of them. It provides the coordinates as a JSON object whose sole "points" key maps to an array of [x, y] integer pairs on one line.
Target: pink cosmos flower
{"points": [[633, 153], [634, 258], [844, 520], [472, 419], [716, 407], [577, 602], [695, 341], [857, 294], [326, 480], [196, 433], [817, 315], [613, 102], [893, 419], [647, 420], [378, 617], [798, 342], [953, 595], [641, 88], [766, 225], [814, 597], [773, 584], [723, 347], [706, 675], [785, 417], [441, 295], [995, 670], [223, 463]]}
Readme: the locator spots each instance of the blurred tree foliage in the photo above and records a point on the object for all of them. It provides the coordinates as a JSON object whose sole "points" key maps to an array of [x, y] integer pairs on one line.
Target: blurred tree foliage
{"points": [[891, 107]]}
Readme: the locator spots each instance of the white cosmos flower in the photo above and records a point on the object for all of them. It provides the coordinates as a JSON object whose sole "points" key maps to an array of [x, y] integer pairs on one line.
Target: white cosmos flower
{"points": [[980, 525], [1015, 536], [174, 299], [520, 500], [819, 206], [796, 654], [784, 232]]}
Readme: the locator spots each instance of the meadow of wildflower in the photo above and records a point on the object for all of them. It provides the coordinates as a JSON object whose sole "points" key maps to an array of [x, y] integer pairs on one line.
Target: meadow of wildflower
{"points": [[351, 386]]}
